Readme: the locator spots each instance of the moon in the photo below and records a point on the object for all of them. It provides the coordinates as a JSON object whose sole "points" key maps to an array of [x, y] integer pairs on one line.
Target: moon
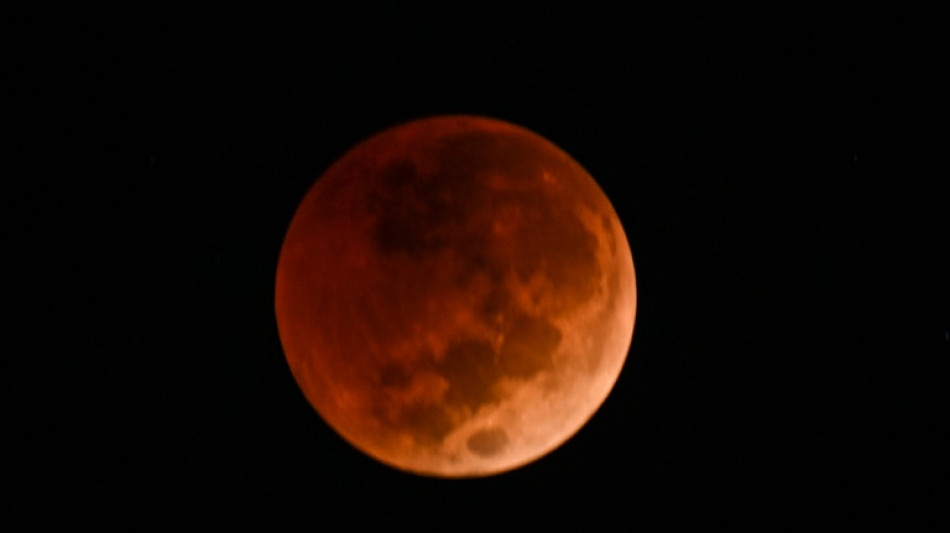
{"points": [[455, 296]]}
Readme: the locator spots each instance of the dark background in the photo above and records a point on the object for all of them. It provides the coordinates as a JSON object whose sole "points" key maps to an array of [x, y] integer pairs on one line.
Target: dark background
{"points": [[775, 167]]}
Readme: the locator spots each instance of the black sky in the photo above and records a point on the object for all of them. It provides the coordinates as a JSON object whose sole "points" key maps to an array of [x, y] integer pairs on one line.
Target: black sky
{"points": [[774, 169]]}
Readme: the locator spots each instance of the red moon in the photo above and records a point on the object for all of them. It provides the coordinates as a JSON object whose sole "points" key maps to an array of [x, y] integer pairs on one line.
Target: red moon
{"points": [[455, 296]]}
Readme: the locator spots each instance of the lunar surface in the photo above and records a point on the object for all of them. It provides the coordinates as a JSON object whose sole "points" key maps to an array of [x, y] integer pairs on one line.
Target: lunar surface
{"points": [[455, 296]]}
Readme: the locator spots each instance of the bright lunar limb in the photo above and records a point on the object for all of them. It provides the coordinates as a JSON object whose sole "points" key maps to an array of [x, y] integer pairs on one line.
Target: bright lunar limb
{"points": [[456, 296]]}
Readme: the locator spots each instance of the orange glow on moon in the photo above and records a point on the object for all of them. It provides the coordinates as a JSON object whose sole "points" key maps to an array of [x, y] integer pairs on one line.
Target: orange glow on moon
{"points": [[455, 296]]}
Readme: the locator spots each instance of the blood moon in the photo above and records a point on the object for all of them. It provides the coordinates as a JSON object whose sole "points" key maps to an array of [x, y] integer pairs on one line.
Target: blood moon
{"points": [[455, 296]]}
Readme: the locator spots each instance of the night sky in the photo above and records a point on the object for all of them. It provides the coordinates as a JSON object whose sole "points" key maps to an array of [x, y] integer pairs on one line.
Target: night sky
{"points": [[773, 167]]}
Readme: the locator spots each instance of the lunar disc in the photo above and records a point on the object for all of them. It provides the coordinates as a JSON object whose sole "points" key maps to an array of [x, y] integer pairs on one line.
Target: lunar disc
{"points": [[455, 296]]}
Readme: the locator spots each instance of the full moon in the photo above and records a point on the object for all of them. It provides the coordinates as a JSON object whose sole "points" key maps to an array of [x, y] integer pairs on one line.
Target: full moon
{"points": [[455, 296]]}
